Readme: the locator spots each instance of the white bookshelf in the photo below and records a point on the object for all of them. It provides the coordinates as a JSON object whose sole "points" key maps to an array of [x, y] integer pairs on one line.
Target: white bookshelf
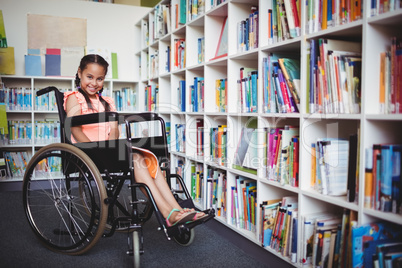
{"points": [[373, 32]]}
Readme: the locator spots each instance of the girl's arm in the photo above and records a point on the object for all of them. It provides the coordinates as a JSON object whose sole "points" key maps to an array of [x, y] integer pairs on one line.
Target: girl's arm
{"points": [[73, 108], [114, 131]]}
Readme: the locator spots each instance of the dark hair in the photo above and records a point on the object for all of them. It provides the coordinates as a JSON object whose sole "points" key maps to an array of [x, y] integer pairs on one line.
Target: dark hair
{"points": [[87, 59]]}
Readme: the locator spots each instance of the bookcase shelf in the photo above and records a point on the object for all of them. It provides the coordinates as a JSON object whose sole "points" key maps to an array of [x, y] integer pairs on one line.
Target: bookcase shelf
{"points": [[373, 32]]}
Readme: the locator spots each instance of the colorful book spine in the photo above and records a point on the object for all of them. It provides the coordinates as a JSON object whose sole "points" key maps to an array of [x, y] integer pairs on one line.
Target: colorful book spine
{"points": [[151, 97], [221, 95], [281, 79], [390, 97], [180, 137]]}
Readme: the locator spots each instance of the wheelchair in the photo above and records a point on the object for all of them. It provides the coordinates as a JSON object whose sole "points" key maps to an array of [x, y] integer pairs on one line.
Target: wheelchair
{"points": [[74, 194]]}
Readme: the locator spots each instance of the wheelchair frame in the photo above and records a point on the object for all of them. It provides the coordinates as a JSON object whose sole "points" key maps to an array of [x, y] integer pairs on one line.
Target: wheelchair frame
{"points": [[80, 192]]}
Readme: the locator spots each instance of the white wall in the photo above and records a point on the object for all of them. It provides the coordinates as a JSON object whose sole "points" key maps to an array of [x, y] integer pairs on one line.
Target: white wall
{"points": [[108, 26]]}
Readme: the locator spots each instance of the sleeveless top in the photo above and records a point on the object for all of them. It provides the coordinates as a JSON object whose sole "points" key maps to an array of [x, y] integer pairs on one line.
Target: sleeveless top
{"points": [[95, 132]]}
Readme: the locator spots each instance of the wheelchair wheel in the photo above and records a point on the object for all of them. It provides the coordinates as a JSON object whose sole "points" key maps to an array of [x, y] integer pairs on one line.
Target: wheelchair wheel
{"points": [[186, 238], [62, 218], [136, 248]]}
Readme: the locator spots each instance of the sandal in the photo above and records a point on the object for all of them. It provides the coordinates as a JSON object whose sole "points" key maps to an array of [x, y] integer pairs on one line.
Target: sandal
{"points": [[197, 212], [186, 217]]}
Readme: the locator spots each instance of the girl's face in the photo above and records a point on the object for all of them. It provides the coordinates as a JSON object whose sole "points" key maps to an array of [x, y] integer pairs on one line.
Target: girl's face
{"points": [[92, 78]]}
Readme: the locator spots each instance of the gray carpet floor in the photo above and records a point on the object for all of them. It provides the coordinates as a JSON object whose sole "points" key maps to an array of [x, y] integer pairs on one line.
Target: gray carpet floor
{"points": [[20, 248]]}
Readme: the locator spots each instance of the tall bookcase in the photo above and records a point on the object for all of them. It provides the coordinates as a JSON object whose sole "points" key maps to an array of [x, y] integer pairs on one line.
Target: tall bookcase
{"points": [[374, 33]]}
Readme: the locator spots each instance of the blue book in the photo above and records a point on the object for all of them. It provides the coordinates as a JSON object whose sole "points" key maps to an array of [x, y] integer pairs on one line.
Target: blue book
{"points": [[52, 65], [33, 65], [254, 78], [386, 178]]}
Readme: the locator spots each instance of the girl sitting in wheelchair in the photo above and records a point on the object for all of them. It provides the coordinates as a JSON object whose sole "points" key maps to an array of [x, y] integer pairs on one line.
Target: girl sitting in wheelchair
{"points": [[89, 81]]}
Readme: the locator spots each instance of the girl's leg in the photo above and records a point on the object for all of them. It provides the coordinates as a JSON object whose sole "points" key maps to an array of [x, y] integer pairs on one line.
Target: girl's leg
{"points": [[142, 175], [164, 188]]}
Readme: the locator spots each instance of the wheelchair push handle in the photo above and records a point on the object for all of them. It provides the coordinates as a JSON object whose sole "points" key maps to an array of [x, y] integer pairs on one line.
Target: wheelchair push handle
{"points": [[45, 90]]}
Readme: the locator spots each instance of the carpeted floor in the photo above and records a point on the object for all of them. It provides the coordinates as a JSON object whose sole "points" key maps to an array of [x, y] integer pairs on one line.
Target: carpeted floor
{"points": [[20, 247]]}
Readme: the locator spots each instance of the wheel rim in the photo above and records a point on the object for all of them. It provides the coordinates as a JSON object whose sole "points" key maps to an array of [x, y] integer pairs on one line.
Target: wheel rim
{"points": [[185, 238], [55, 209]]}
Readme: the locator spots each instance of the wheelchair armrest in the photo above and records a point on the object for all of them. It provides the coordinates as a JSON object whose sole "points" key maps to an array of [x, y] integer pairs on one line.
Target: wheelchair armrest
{"points": [[86, 119], [141, 117]]}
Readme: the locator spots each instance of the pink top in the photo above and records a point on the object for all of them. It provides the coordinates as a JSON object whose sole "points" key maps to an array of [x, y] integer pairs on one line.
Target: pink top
{"points": [[98, 131]]}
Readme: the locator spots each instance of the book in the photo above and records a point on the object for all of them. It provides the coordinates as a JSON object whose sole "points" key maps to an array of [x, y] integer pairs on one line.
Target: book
{"points": [[246, 151], [362, 237], [222, 45]]}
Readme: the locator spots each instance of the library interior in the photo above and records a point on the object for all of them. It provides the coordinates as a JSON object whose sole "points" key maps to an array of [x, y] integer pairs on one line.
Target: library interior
{"points": [[297, 155]]}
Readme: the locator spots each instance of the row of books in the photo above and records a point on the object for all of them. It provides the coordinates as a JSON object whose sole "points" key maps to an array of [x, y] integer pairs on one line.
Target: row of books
{"points": [[16, 99], [379, 7], [377, 244], [324, 14], [125, 99], [152, 97], [179, 54], [201, 49], [197, 180], [216, 191], [334, 82], [383, 182], [195, 8], [390, 79], [284, 21], [154, 65], [221, 94], [180, 137], [282, 155], [243, 208], [15, 163], [218, 144], [247, 32], [44, 132], [161, 21], [197, 95], [247, 87], [327, 239], [281, 84], [19, 132], [278, 225]]}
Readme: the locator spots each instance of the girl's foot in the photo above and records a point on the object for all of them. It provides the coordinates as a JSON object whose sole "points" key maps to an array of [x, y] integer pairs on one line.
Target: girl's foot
{"points": [[176, 217]]}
